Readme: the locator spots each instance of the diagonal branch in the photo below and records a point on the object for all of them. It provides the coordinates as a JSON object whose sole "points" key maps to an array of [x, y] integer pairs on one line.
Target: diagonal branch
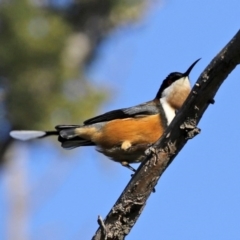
{"points": [[130, 204]]}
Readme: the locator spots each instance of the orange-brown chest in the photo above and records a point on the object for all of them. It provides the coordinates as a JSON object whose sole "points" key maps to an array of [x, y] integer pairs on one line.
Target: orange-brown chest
{"points": [[144, 130]]}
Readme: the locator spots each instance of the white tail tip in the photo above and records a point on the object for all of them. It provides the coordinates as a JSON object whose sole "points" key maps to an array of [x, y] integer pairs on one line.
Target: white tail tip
{"points": [[26, 135]]}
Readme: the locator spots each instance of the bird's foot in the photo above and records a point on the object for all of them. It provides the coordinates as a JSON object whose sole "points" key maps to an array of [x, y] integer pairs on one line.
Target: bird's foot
{"points": [[126, 164]]}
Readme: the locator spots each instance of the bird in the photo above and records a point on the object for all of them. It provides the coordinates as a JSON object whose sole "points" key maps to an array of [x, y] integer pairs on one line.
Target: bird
{"points": [[124, 134]]}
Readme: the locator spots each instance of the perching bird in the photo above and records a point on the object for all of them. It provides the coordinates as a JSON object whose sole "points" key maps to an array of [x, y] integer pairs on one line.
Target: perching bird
{"points": [[124, 134]]}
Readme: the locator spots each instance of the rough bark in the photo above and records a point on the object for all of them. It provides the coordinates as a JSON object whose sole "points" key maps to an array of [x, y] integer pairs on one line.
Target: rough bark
{"points": [[130, 204]]}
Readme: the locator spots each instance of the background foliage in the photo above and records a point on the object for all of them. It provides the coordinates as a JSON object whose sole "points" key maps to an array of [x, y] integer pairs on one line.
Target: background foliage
{"points": [[44, 49]]}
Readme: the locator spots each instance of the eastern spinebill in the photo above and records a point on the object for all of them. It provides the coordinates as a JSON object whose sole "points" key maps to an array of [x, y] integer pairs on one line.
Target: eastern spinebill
{"points": [[123, 135]]}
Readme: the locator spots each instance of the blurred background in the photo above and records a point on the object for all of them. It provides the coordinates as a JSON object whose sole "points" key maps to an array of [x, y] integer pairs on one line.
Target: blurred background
{"points": [[62, 61]]}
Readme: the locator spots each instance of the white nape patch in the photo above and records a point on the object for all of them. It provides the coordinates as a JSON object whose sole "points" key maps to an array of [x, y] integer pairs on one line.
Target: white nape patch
{"points": [[169, 111], [26, 135]]}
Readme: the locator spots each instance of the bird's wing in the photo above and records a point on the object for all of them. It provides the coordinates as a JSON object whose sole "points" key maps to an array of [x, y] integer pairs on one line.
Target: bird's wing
{"points": [[148, 108]]}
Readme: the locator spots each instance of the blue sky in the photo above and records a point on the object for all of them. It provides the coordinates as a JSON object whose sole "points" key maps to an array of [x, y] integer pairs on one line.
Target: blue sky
{"points": [[198, 196]]}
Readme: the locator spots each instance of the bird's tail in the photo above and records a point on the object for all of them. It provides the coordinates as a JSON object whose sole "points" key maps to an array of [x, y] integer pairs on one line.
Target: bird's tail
{"points": [[70, 138], [25, 135], [66, 135]]}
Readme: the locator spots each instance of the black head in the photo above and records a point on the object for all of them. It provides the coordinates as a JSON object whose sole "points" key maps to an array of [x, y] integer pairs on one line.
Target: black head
{"points": [[172, 77]]}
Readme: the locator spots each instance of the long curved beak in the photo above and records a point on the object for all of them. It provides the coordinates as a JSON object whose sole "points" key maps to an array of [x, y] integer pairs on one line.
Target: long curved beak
{"points": [[190, 68]]}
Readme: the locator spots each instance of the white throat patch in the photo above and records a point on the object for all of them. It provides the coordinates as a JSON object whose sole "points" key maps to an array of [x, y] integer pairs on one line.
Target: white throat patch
{"points": [[181, 83], [168, 110]]}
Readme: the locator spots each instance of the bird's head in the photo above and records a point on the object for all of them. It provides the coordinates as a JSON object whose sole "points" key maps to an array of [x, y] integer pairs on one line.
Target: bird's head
{"points": [[175, 82]]}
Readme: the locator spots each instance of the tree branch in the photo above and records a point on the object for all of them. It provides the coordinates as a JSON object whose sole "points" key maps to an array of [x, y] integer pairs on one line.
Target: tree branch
{"points": [[130, 204]]}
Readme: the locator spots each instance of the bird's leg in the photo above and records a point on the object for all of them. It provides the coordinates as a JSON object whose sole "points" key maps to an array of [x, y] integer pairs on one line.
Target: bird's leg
{"points": [[126, 164]]}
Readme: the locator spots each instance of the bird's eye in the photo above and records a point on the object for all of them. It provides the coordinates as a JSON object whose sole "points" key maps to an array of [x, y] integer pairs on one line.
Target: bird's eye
{"points": [[169, 82]]}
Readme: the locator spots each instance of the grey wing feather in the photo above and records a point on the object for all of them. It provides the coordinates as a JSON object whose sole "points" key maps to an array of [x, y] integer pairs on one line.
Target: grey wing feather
{"points": [[148, 108]]}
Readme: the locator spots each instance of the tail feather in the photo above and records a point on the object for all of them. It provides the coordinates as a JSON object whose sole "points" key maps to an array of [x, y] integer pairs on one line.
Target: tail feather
{"points": [[67, 131], [74, 143], [63, 127], [70, 138], [25, 135], [66, 135]]}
